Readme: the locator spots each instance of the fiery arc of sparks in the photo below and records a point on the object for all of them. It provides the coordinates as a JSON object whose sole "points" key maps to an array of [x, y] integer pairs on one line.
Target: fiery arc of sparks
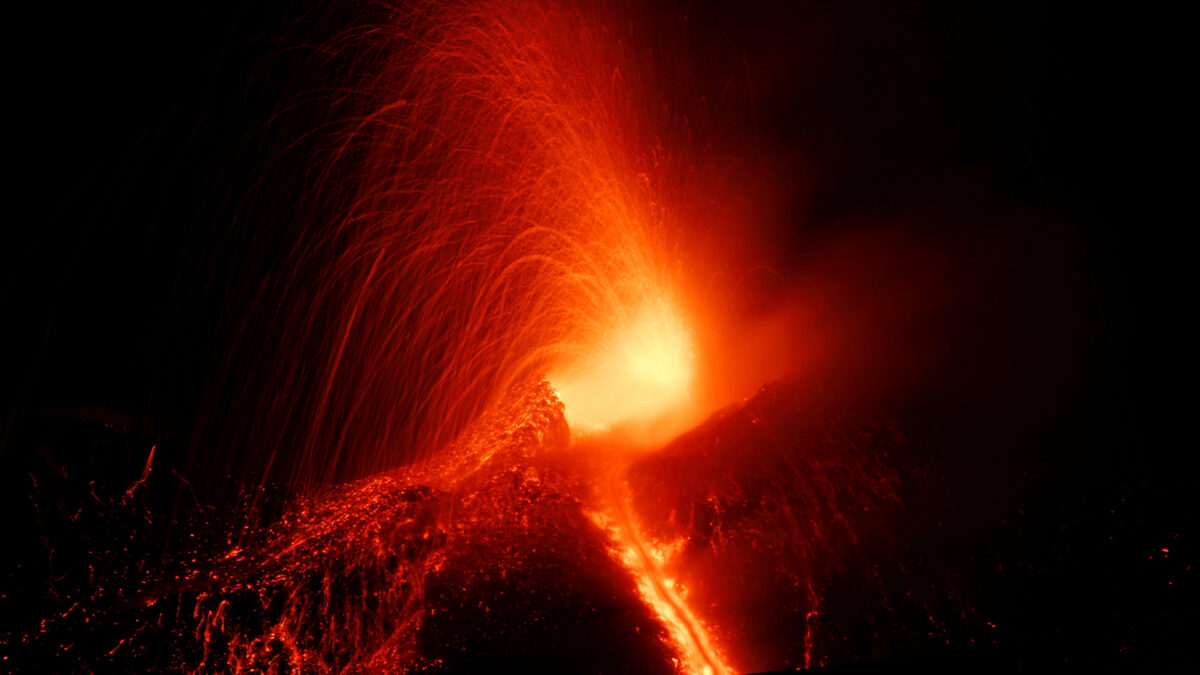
{"points": [[517, 192], [515, 211]]}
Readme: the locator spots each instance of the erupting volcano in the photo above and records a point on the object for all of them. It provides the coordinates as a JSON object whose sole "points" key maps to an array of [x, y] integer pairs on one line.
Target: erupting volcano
{"points": [[520, 352]]}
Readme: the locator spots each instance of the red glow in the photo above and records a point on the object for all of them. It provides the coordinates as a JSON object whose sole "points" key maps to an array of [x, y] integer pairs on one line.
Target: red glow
{"points": [[668, 597], [514, 201], [572, 336], [520, 210]]}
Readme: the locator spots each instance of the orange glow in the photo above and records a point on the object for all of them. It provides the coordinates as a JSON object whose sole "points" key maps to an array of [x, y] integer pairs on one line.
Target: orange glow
{"points": [[523, 209], [641, 372], [698, 654]]}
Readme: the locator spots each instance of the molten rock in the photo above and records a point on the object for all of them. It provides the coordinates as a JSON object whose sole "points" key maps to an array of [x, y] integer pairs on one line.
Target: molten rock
{"points": [[778, 515]]}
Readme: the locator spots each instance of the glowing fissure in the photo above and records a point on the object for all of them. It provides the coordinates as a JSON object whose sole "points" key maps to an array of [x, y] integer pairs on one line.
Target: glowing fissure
{"points": [[698, 655], [518, 210]]}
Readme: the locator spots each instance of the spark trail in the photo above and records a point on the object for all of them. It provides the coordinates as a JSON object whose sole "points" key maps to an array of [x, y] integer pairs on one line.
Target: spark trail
{"points": [[509, 204]]}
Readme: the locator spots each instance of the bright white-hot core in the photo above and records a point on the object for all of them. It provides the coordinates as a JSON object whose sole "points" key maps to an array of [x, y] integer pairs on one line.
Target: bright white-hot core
{"points": [[642, 371]]}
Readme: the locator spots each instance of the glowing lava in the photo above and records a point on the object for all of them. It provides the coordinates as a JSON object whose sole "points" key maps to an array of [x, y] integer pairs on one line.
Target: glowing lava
{"points": [[642, 372], [698, 655], [518, 207]]}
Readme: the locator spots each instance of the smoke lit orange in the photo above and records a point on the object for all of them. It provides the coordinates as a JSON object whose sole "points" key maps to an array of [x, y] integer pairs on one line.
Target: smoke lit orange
{"points": [[510, 205], [580, 336]]}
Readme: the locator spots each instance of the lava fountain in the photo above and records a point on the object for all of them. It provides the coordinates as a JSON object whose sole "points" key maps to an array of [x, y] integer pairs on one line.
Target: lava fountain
{"points": [[511, 204], [510, 200], [510, 207], [517, 369]]}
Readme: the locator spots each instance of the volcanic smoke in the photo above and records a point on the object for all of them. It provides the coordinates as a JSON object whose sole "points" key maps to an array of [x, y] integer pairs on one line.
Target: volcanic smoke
{"points": [[465, 377], [510, 209], [433, 337]]}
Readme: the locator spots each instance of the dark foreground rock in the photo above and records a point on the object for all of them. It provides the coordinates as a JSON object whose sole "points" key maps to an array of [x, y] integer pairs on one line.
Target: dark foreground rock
{"points": [[479, 560]]}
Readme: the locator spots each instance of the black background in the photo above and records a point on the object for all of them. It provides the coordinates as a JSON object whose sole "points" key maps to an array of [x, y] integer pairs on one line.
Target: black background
{"points": [[132, 129]]}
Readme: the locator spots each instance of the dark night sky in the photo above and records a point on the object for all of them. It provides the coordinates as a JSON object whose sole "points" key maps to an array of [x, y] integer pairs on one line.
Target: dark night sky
{"points": [[1042, 144], [136, 127]]}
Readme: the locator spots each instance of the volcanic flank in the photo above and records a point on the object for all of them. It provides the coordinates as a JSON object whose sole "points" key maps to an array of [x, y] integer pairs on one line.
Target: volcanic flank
{"points": [[512, 548], [786, 531], [480, 558], [282, 282], [779, 515]]}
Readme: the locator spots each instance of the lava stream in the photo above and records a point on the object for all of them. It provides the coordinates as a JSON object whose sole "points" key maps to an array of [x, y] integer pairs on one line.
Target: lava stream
{"points": [[697, 653]]}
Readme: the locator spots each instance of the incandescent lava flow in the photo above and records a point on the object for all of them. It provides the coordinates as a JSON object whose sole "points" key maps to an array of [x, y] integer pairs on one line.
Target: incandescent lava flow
{"points": [[759, 540], [596, 336], [510, 205], [483, 556]]}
